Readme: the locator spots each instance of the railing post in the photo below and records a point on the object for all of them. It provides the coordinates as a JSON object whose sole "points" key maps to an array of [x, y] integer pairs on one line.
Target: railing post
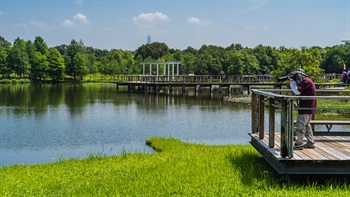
{"points": [[284, 128], [254, 113], [290, 128], [261, 116], [271, 122]]}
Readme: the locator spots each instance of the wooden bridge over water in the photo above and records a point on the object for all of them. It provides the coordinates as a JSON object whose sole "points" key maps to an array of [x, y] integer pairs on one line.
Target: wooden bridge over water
{"points": [[157, 83]]}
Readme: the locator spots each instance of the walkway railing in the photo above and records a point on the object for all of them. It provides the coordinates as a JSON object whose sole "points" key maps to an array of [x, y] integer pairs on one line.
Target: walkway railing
{"points": [[209, 79], [283, 101]]}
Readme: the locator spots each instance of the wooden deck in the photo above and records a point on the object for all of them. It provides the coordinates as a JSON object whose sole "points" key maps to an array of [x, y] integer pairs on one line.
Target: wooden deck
{"points": [[330, 156]]}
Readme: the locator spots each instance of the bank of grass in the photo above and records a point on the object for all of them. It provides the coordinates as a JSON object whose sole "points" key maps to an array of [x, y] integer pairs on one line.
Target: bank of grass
{"points": [[178, 169], [14, 81]]}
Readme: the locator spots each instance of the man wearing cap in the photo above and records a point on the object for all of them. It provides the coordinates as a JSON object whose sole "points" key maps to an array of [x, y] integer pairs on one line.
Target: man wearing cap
{"points": [[302, 85]]}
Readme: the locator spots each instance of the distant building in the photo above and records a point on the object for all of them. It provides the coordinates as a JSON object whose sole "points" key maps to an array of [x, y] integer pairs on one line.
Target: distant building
{"points": [[149, 39], [303, 47]]}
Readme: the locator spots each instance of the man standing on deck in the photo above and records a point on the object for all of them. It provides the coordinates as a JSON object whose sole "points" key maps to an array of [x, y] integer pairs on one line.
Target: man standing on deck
{"points": [[302, 85]]}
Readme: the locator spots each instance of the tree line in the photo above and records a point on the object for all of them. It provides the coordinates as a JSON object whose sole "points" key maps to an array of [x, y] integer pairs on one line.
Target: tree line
{"points": [[36, 61]]}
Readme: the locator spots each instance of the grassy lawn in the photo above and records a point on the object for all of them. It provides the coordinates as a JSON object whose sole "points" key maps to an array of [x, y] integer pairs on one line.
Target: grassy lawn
{"points": [[177, 169]]}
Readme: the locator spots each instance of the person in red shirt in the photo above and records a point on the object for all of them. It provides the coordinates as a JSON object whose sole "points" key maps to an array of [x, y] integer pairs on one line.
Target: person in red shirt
{"points": [[302, 85], [345, 76]]}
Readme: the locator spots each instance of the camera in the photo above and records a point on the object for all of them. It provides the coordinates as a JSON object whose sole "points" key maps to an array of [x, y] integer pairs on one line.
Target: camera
{"points": [[284, 78], [291, 75]]}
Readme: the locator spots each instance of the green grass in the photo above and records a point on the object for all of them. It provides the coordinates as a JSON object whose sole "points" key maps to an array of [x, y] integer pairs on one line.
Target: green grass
{"points": [[178, 169], [14, 81]]}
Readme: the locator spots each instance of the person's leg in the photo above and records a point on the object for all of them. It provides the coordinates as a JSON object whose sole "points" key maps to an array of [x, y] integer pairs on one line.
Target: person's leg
{"points": [[309, 134], [302, 120], [308, 130]]}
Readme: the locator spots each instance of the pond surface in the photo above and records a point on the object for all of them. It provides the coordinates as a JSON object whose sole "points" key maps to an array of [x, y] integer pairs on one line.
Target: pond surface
{"points": [[46, 123]]}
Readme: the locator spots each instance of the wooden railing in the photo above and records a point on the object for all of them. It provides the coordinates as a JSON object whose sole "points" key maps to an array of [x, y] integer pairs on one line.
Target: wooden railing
{"points": [[283, 101], [210, 79]]}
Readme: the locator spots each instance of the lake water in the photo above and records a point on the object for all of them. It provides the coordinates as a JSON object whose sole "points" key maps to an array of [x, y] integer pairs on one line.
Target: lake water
{"points": [[46, 123]]}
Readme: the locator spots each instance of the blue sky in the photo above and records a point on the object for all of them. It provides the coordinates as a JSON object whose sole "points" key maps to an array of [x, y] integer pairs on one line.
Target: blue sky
{"points": [[125, 24]]}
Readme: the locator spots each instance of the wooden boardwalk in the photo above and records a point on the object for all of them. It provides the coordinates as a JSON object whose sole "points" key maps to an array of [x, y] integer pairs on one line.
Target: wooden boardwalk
{"points": [[275, 143], [245, 82], [330, 156]]}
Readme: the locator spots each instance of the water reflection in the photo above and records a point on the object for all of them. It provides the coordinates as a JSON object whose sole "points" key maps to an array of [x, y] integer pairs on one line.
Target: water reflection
{"points": [[41, 122]]}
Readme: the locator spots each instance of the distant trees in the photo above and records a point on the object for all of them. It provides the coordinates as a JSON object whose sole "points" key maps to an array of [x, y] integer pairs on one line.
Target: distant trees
{"points": [[18, 60], [334, 58], [56, 66], [35, 60]]}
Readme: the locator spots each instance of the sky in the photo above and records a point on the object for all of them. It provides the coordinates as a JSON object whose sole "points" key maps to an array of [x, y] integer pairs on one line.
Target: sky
{"points": [[125, 24]]}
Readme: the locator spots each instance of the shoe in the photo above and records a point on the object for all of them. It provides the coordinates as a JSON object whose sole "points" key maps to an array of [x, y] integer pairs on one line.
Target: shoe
{"points": [[309, 145], [298, 146]]}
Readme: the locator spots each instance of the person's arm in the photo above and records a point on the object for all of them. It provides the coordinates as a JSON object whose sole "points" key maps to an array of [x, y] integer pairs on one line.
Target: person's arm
{"points": [[294, 87], [304, 85]]}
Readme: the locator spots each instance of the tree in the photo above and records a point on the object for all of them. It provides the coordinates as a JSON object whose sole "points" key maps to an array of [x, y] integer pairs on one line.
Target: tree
{"points": [[41, 46], [211, 58], [308, 60], [72, 50], [155, 50], [335, 58], [267, 58], [241, 63], [55, 64], [4, 43], [91, 64], [4, 69], [39, 66], [17, 59], [103, 66], [37, 60], [79, 63]]}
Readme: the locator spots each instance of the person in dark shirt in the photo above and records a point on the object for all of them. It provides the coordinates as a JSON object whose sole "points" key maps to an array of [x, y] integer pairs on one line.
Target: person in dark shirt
{"points": [[345, 76], [304, 86]]}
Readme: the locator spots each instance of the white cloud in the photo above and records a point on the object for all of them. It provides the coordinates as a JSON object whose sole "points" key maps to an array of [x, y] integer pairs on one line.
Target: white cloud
{"points": [[77, 19], [198, 22], [68, 23], [151, 17], [193, 20], [81, 18]]}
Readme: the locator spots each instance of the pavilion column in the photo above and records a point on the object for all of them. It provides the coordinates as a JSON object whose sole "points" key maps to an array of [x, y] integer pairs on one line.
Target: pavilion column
{"points": [[143, 69], [164, 69], [173, 70], [177, 69], [150, 69], [168, 71]]}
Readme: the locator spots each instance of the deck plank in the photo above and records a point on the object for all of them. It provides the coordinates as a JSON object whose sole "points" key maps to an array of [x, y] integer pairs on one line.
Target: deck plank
{"points": [[328, 143], [330, 156], [327, 148]]}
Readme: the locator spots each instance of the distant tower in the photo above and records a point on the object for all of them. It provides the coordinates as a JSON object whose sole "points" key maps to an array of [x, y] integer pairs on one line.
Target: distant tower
{"points": [[149, 39], [303, 47]]}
